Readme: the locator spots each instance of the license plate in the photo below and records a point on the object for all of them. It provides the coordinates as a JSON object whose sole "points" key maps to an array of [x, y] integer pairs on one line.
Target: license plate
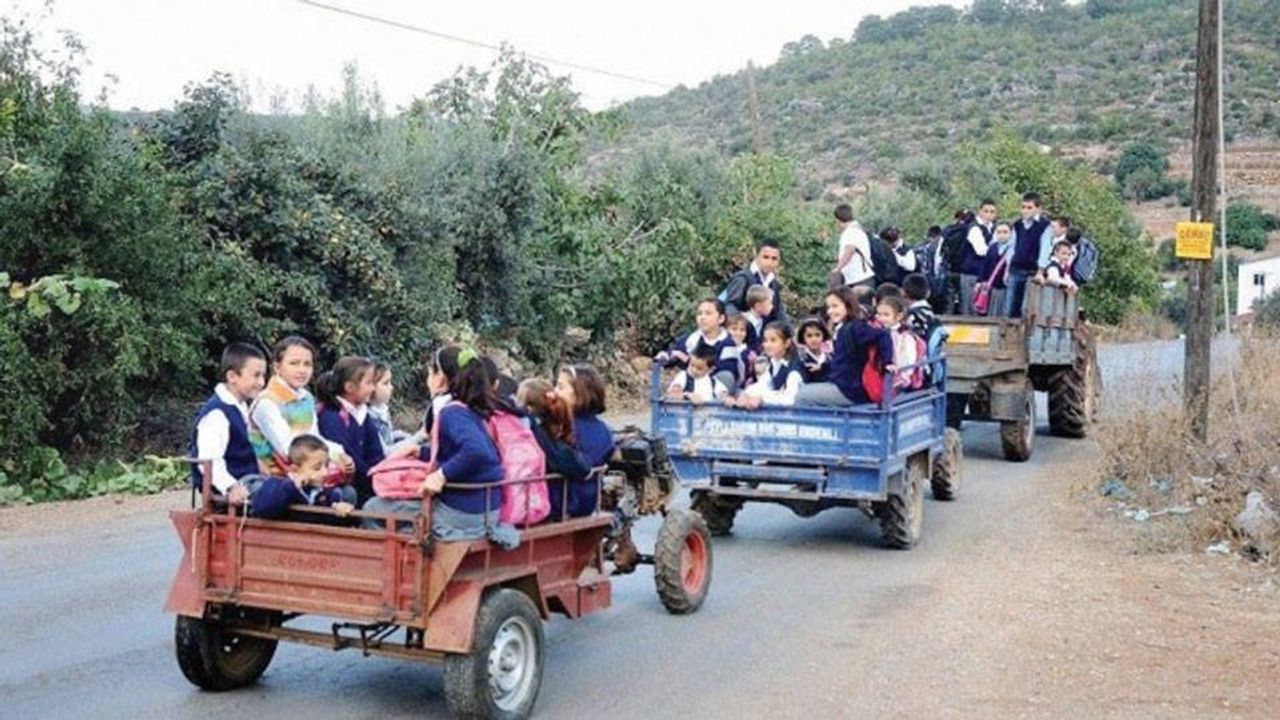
{"points": [[969, 334]]}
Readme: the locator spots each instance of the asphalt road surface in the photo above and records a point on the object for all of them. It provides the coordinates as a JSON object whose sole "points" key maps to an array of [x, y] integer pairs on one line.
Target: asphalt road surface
{"points": [[805, 618]]}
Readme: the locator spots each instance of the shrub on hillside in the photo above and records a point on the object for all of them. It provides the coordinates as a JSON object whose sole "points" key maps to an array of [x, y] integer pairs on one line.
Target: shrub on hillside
{"points": [[1247, 226]]}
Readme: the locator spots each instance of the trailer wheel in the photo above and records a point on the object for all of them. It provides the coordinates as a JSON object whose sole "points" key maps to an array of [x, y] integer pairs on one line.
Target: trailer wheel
{"points": [[499, 679], [1075, 394], [1017, 438], [717, 511], [216, 660], [902, 513], [946, 467], [682, 561]]}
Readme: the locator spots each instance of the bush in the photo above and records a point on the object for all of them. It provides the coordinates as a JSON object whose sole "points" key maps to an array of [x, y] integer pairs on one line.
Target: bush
{"points": [[1246, 226], [1140, 172]]}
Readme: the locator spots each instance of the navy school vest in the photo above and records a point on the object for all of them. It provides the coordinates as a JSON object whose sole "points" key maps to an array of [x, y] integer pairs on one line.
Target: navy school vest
{"points": [[973, 262], [240, 458], [1026, 244]]}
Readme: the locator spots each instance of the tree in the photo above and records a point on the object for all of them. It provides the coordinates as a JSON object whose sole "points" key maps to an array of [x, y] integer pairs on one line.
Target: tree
{"points": [[1140, 171]]}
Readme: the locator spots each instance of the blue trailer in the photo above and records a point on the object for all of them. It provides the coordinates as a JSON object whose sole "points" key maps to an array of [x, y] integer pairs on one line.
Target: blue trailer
{"points": [[876, 457]]}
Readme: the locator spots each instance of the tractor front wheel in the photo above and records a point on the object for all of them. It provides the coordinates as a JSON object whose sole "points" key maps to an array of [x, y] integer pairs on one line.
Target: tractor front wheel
{"points": [[682, 561]]}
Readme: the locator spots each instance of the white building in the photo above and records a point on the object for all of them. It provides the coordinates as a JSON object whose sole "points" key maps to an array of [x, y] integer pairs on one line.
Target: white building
{"points": [[1256, 280]]}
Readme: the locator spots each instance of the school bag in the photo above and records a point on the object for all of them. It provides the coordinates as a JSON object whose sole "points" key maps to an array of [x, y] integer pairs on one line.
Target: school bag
{"points": [[934, 335], [735, 292], [908, 349], [523, 503], [872, 376], [401, 478], [982, 290], [1085, 266], [954, 237], [884, 263]]}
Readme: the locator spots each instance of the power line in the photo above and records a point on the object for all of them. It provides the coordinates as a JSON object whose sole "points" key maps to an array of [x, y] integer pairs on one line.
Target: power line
{"points": [[476, 43]]}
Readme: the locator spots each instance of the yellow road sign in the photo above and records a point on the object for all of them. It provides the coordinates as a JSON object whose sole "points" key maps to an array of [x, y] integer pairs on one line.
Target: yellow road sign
{"points": [[1194, 241]]}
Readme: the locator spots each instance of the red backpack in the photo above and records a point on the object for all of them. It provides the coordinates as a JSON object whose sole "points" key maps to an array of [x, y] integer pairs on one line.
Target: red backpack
{"points": [[872, 376]]}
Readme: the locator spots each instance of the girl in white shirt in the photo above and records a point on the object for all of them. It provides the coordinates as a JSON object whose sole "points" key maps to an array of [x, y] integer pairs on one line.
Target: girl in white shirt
{"points": [[780, 383]]}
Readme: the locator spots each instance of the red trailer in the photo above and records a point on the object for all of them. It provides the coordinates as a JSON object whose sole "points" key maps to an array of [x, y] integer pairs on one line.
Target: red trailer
{"points": [[473, 606]]}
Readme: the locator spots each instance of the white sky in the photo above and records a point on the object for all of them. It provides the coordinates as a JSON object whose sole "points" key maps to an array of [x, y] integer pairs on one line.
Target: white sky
{"points": [[154, 47]]}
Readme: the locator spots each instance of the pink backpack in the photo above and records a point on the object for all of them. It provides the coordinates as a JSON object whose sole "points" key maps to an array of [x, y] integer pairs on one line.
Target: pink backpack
{"points": [[401, 478], [523, 503], [908, 349]]}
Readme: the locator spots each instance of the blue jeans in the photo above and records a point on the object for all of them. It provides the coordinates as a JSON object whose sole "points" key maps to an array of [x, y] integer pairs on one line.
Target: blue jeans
{"points": [[1017, 289]]}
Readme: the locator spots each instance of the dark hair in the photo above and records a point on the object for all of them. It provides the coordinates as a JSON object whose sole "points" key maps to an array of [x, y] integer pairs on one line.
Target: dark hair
{"points": [[933, 231], [588, 389], [236, 355], [852, 307], [812, 322], [767, 243], [304, 445], [887, 289], [715, 302], [545, 404], [1074, 235], [891, 235], [895, 303], [1062, 243], [736, 319], [504, 385], [1002, 223], [987, 202], [1031, 197], [380, 370], [963, 215], [706, 353], [1062, 220], [469, 384], [865, 296], [916, 287], [332, 384], [278, 351], [844, 213]]}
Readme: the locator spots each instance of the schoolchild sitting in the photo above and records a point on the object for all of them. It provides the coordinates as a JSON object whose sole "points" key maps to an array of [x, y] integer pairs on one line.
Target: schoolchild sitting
{"points": [[286, 409], [344, 393], [462, 453], [695, 383], [740, 330], [582, 389], [271, 497], [711, 333], [380, 412], [891, 314], [759, 307], [221, 433], [551, 420], [814, 340], [780, 383], [1058, 273], [854, 338], [920, 315]]}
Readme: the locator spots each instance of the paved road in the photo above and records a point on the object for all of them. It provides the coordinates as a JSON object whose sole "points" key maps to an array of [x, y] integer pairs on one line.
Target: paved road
{"points": [[805, 618]]}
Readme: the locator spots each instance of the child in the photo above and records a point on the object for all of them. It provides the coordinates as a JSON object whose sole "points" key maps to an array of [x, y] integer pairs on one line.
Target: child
{"points": [[995, 270], [884, 290], [891, 314], [815, 343], [854, 337], [221, 432], [551, 420], [304, 485], [465, 455], [740, 330], [285, 409], [780, 383], [760, 306], [344, 393], [915, 287], [711, 333], [1058, 274], [695, 383], [582, 389]]}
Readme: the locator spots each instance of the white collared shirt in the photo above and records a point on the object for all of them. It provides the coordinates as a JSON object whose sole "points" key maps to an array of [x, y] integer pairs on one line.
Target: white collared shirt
{"points": [[766, 280], [357, 412], [763, 388], [860, 266], [213, 434], [978, 239], [705, 389]]}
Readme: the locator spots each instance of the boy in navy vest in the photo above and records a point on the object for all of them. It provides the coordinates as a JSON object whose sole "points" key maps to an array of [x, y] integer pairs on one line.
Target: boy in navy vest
{"points": [[221, 432], [975, 253], [1031, 242]]}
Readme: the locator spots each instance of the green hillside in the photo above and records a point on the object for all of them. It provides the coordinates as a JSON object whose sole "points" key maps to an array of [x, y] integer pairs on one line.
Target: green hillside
{"points": [[921, 81]]}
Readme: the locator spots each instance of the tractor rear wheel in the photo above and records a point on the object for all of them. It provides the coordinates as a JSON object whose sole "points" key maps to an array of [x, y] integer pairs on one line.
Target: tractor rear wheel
{"points": [[682, 561], [1075, 394], [955, 410], [716, 510], [946, 467], [499, 679], [1017, 437], [217, 660], [902, 513]]}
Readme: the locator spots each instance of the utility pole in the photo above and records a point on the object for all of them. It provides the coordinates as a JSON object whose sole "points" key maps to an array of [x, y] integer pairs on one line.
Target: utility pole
{"points": [[757, 137], [1204, 190]]}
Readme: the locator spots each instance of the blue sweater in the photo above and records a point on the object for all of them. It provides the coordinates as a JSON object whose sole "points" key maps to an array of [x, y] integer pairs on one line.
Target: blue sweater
{"points": [[239, 456], [361, 442], [850, 355], [1027, 244], [272, 497], [468, 456], [725, 350], [595, 442], [994, 253], [568, 462]]}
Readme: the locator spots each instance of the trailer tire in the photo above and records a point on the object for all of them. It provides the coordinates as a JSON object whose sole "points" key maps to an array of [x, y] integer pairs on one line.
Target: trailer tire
{"points": [[718, 512], [902, 513], [500, 678], [682, 561], [945, 479], [1017, 438], [215, 660], [1075, 394]]}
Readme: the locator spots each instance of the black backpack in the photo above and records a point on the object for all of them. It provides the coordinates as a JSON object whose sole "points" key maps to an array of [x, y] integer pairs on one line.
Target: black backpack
{"points": [[954, 236], [884, 262]]}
